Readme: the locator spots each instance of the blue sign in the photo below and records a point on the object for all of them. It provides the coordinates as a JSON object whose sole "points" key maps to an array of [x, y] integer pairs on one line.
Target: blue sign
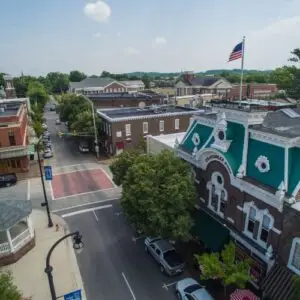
{"points": [[76, 295], [48, 172]]}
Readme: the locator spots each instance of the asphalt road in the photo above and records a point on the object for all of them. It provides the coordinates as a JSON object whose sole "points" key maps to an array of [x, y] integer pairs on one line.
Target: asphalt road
{"points": [[114, 265]]}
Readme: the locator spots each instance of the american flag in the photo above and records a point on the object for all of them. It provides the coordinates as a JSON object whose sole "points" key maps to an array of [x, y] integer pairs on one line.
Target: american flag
{"points": [[237, 52]]}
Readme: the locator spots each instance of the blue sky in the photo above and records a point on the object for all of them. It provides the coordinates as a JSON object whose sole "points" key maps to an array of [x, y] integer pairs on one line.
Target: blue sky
{"points": [[39, 36]]}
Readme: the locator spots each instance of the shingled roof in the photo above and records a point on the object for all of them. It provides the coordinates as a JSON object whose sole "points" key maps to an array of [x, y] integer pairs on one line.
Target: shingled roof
{"points": [[202, 81]]}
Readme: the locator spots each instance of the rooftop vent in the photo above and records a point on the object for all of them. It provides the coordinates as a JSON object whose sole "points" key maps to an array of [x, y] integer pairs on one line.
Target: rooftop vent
{"points": [[290, 112]]}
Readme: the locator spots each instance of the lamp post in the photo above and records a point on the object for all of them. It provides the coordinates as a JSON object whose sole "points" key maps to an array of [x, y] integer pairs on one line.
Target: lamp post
{"points": [[77, 244], [46, 203]]}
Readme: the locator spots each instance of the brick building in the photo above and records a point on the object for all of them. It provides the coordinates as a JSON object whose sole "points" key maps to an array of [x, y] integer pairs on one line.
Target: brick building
{"points": [[247, 174], [13, 135], [125, 128]]}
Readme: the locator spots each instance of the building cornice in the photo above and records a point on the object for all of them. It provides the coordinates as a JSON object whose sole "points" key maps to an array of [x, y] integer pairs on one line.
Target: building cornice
{"points": [[269, 138], [204, 121]]}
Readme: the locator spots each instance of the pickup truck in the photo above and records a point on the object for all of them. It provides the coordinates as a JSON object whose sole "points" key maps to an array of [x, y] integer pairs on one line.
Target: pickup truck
{"points": [[165, 255]]}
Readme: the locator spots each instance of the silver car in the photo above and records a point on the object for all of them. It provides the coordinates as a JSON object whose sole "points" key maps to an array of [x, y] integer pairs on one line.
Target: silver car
{"points": [[165, 255], [48, 153], [190, 289]]}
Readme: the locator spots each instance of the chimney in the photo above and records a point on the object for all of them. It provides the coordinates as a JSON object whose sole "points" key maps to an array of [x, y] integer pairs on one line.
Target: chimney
{"points": [[188, 75], [9, 89]]}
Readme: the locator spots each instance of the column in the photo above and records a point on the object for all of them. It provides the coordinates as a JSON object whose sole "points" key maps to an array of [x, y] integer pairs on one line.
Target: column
{"points": [[9, 241]]}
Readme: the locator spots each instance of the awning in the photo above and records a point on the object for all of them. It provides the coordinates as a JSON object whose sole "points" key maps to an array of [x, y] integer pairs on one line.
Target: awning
{"points": [[213, 234], [243, 295], [278, 284]]}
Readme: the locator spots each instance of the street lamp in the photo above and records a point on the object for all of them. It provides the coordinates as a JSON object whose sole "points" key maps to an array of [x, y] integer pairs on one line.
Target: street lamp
{"points": [[77, 244], [46, 203]]}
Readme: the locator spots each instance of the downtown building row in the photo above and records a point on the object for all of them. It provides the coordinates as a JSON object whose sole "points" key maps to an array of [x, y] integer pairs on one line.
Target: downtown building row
{"points": [[247, 173]]}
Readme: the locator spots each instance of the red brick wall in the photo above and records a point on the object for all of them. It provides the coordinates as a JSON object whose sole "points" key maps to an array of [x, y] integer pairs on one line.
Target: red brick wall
{"points": [[257, 90], [19, 131], [234, 93]]}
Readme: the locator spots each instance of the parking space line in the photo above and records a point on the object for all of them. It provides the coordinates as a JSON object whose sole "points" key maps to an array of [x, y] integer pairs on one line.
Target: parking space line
{"points": [[129, 287], [95, 216], [85, 193], [166, 286], [78, 212], [28, 189], [84, 204]]}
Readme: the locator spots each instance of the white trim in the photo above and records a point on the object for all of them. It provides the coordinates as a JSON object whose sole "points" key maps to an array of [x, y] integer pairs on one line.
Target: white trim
{"points": [[292, 251], [286, 168], [202, 199], [276, 230], [296, 189], [118, 82], [161, 125], [230, 220], [239, 208], [204, 121], [177, 124], [269, 138], [145, 124], [191, 127], [262, 160]]}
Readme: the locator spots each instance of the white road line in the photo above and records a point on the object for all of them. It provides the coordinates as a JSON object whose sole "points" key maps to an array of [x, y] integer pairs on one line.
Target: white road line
{"points": [[51, 190], [95, 215], [78, 212], [75, 171], [129, 287], [28, 189], [84, 204], [165, 286], [66, 166], [110, 179], [82, 194]]}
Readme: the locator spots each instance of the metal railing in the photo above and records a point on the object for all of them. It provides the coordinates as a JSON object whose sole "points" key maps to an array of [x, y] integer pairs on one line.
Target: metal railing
{"points": [[4, 248], [21, 239]]}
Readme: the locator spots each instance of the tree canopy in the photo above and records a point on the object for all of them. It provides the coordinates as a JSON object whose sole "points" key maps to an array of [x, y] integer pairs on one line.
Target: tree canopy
{"points": [[37, 94], [59, 82], [8, 290], [223, 266], [158, 193], [76, 76]]}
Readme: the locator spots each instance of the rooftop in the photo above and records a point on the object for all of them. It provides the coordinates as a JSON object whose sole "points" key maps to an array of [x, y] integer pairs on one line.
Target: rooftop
{"points": [[9, 108], [133, 83], [92, 82], [169, 139], [119, 114], [137, 95]]}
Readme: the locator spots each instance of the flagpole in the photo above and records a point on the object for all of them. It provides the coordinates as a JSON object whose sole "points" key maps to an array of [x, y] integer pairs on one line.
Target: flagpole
{"points": [[242, 69]]}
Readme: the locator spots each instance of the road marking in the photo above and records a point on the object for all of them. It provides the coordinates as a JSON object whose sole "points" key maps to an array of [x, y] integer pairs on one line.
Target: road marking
{"points": [[134, 239], [87, 163], [85, 193], [28, 189], [51, 190], [78, 212], [74, 171], [165, 286], [84, 204], [110, 179], [129, 287], [95, 215]]}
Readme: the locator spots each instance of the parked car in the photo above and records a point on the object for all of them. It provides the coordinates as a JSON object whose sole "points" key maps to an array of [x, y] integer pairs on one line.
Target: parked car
{"points": [[165, 255], [8, 179], [84, 147], [57, 122], [189, 288], [48, 153], [53, 108], [48, 144], [44, 126]]}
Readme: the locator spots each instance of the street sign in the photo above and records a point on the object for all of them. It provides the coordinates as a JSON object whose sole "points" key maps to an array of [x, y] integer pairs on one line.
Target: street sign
{"points": [[75, 295], [48, 172]]}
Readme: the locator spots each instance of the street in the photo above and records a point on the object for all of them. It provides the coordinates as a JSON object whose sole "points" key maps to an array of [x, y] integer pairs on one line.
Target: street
{"points": [[113, 262]]}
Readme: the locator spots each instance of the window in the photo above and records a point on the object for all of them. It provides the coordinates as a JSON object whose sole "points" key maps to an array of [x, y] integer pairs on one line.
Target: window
{"points": [[176, 124], [222, 202], [294, 259], [109, 130], [11, 137], [214, 199], [251, 220], [264, 234], [145, 127], [128, 129], [161, 125]]}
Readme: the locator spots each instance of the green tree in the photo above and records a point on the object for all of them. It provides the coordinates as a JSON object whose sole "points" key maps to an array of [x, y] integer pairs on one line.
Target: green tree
{"points": [[223, 266], [283, 77], [158, 195], [296, 286], [58, 82], [8, 290], [146, 81], [120, 166], [37, 94], [295, 55], [1, 79], [76, 76]]}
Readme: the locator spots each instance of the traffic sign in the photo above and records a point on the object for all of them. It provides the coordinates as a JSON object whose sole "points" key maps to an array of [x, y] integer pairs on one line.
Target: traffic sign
{"points": [[48, 172], [75, 295]]}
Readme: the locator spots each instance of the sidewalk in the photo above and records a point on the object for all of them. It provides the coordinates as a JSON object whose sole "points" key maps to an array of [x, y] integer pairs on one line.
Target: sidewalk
{"points": [[29, 273]]}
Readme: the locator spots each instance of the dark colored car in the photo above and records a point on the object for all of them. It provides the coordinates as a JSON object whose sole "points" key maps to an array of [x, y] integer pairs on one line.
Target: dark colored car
{"points": [[8, 179]]}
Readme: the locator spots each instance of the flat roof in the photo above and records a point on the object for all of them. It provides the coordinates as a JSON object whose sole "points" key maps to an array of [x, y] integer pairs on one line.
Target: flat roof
{"points": [[169, 139], [9, 108], [153, 111]]}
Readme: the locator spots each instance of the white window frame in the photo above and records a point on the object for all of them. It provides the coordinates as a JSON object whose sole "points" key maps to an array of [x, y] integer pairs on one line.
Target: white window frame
{"points": [[219, 188], [161, 125], [145, 127], [128, 129], [292, 253], [177, 124], [109, 129]]}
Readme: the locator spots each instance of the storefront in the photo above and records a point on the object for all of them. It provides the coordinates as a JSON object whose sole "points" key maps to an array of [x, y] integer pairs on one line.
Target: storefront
{"points": [[16, 165]]}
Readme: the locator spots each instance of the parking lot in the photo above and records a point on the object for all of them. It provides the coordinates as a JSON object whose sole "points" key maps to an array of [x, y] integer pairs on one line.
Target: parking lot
{"points": [[114, 263]]}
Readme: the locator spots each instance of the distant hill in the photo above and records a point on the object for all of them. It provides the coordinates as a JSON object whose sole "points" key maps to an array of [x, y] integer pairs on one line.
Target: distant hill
{"points": [[208, 72]]}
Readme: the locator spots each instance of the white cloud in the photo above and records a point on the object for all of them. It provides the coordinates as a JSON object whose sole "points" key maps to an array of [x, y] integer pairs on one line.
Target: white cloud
{"points": [[119, 34], [132, 51], [98, 11], [159, 42], [97, 34]]}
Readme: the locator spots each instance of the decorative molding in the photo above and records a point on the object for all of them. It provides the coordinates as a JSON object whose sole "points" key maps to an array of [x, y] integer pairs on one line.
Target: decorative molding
{"points": [[276, 230], [191, 127], [292, 252], [240, 208], [196, 139], [262, 164], [204, 121], [269, 138], [296, 189], [230, 220]]}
